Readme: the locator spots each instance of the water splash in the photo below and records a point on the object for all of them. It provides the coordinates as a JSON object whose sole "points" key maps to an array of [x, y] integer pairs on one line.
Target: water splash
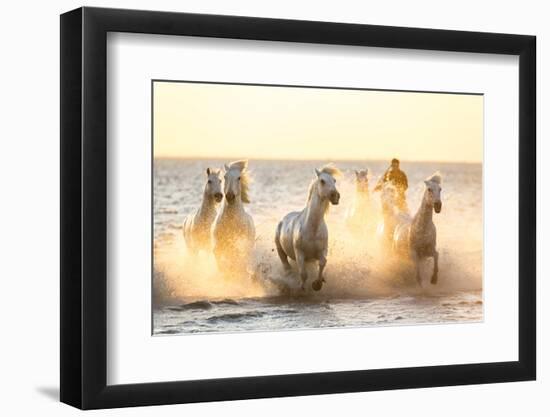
{"points": [[356, 268], [360, 274]]}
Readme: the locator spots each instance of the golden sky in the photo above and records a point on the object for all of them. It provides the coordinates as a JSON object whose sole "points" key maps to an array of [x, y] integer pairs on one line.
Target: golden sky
{"points": [[234, 121]]}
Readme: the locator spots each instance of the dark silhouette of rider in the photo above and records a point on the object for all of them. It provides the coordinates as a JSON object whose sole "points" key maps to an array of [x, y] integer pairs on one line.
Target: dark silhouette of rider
{"points": [[398, 179]]}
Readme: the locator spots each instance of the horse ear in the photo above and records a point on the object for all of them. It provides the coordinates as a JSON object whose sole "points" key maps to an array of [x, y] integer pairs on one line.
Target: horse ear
{"points": [[208, 171], [317, 172], [226, 167], [427, 182], [356, 172]]}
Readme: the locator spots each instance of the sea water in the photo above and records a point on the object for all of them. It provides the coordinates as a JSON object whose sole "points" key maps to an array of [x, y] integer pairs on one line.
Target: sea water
{"points": [[365, 284]]}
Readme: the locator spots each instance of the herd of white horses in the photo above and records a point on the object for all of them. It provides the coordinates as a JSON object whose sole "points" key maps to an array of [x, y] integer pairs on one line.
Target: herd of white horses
{"points": [[229, 233]]}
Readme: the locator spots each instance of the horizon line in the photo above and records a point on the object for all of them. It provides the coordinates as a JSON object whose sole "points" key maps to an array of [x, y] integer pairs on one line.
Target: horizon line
{"points": [[387, 160]]}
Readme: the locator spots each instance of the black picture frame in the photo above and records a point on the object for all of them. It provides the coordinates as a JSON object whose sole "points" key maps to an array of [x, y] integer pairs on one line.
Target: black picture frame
{"points": [[84, 207]]}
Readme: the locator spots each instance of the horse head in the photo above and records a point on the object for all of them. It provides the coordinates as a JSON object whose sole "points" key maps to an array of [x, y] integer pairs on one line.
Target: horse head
{"points": [[388, 199], [432, 195], [362, 180], [213, 186], [325, 186], [236, 181]]}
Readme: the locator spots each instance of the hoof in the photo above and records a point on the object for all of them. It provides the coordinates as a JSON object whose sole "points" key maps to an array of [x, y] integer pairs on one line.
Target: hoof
{"points": [[434, 280], [317, 285]]}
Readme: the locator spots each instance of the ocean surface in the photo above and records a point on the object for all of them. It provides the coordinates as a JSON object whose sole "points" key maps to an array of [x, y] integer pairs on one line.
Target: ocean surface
{"points": [[365, 285]]}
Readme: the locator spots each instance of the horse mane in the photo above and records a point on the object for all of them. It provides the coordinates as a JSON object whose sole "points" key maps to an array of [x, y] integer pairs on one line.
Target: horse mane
{"points": [[435, 177], [331, 170], [214, 171], [246, 180], [310, 190]]}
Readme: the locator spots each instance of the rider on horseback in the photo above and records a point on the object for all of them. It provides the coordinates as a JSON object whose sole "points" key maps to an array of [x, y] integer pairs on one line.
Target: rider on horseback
{"points": [[398, 179]]}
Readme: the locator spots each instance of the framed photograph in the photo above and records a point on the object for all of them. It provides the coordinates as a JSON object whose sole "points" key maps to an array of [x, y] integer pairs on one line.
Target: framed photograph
{"points": [[257, 207]]}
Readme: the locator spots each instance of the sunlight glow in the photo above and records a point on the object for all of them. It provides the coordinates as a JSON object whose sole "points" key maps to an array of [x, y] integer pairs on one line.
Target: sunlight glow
{"points": [[195, 120]]}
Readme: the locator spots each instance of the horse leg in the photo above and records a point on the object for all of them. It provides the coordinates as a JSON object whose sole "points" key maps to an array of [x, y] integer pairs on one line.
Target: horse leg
{"points": [[280, 250], [436, 267], [318, 283], [416, 260], [301, 262], [191, 246]]}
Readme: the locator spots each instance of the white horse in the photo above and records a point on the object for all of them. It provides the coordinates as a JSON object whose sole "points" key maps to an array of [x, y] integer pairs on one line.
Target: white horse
{"points": [[391, 216], [360, 217], [418, 236], [303, 235], [197, 225], [233, 232]]}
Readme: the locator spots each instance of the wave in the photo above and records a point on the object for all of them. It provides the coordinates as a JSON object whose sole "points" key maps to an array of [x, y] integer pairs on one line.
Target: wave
{"points": [[232, 317], [195, 305]]}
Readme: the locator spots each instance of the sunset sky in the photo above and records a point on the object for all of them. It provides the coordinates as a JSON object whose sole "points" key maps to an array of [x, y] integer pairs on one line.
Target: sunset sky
{"points": [[234, 121]]}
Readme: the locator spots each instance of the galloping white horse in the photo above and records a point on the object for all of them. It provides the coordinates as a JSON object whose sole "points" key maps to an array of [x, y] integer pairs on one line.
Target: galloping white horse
{"points": [[419, 235], [360, 217], [197, 225], [233, 231], [303, 235]]}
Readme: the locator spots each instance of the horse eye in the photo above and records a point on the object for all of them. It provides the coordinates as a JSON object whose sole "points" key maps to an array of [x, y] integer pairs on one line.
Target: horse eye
{"points": [[239, 178], [322, 182], [209, 181]]}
